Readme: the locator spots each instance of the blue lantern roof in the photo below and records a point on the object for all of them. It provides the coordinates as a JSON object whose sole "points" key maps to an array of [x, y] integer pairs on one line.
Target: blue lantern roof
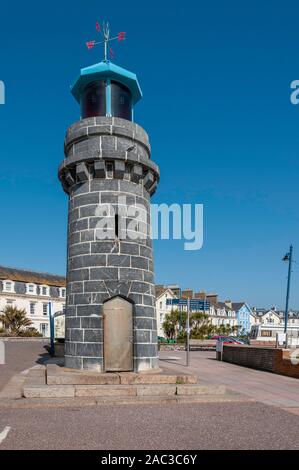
{"points": [[104, 70]]}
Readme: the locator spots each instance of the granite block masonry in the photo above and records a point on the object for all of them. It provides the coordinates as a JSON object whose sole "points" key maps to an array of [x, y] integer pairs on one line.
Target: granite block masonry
{"points": [[107, 160]]}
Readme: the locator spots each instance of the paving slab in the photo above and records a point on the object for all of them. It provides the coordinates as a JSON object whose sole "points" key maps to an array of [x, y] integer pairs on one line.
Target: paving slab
{"points": [[187, 379], [266, 387], [49, 391], [78, 379], [133, 378], [105, 390], [200, 389], [34, 381], [156, 390]]}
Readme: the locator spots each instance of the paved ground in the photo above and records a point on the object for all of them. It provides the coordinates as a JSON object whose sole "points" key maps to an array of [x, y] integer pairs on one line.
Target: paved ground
{"points": [[20, 355], [204, 426], [268, 388], [245, 425]]}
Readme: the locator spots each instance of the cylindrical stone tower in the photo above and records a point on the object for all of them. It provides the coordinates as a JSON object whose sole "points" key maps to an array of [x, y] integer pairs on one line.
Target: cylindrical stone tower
{"points": [[109, 177]]}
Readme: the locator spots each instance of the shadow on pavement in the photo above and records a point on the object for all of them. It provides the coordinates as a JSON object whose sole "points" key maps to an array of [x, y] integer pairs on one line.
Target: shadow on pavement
{"points": [[44, 357]]}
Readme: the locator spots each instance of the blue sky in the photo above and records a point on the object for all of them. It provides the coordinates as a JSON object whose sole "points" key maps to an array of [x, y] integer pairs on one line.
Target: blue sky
{"points": [[216, 83]]}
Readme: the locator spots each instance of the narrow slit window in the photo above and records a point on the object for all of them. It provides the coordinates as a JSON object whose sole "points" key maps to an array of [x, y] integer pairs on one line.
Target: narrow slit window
{"points": [[116, 225], [109, 169]]}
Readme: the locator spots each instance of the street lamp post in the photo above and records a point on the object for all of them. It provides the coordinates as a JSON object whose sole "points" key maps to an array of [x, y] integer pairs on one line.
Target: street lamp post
{"points": [[288, 257], [188, 334]]}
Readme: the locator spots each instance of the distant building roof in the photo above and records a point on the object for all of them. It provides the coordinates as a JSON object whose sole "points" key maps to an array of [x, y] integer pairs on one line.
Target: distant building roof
{"points": [[162, 289], [24, 275], [221, 305], [262, 311], [237, 305]]}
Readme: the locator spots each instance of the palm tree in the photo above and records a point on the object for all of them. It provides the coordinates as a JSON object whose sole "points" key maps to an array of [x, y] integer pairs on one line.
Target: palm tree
{"points": [[175, 323], [14, 319], [172, 322], [201, 326]]}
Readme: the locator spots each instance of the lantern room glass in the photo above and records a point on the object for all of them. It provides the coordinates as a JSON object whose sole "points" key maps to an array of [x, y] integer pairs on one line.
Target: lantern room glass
{"points": [[93, 100], [106, 98], [121, 101]]}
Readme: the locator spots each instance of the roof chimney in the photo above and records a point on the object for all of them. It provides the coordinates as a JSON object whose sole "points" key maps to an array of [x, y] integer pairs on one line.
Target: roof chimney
{"points": [[200, 295], [187, 294], [212, 298]]}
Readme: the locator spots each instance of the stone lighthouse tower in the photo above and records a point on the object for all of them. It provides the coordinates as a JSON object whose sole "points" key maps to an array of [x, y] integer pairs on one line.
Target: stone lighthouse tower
{"points": [[109, 177]]}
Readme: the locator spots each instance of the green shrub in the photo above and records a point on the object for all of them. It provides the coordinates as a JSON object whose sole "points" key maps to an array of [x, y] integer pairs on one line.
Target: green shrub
{"points": [[32, 333]]}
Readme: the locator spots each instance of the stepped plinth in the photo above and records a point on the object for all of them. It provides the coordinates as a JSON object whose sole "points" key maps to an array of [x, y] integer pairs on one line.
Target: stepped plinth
{"points": [[59, 382]]}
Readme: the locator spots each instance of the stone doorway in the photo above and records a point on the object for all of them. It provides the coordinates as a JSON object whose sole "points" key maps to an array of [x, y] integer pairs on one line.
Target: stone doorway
{"points": [[118, 335]]}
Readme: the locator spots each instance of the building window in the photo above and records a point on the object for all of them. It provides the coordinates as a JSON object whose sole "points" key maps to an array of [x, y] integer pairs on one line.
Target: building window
{"points": [[62, 292], [44, 290], [160, 304], [8, 286], [45, 309], [32, 308], [63, 309], [43, 328], [31, 289], [267, 333], [10, 303]]}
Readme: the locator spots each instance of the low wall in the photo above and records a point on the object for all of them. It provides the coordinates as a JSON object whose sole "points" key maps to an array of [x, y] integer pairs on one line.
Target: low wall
{"points": [[269, 359], [26, 339], [171, 347], [267, 344]]}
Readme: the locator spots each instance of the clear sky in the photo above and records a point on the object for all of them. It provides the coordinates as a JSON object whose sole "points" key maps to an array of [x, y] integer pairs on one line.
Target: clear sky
{"points": [[216, 82]]}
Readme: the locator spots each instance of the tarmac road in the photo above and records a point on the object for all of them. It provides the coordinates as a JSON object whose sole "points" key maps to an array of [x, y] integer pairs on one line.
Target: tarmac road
{"points": [[196, 426]]}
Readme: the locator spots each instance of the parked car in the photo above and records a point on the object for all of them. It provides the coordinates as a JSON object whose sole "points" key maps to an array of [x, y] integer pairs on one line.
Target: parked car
{"points": [[239, 340], [161, 339], [227, 339]]}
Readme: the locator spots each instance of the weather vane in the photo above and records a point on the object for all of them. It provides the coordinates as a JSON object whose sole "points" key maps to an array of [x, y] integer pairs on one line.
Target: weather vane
{"points": [[105, 32]]}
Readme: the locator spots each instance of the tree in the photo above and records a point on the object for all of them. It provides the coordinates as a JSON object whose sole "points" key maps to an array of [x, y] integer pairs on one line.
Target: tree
{"points": [[200, 325], [14, 319], [174, 325], [172, 322]]}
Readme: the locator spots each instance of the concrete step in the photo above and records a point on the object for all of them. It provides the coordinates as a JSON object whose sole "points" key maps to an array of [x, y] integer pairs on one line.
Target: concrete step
{"points": [[56, 375], [79, 402], [34, 387], [56, 382]]}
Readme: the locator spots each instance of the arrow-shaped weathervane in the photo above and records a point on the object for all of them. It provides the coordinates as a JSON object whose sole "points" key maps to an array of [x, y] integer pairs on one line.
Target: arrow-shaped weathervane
{"points": [[105, 32]]}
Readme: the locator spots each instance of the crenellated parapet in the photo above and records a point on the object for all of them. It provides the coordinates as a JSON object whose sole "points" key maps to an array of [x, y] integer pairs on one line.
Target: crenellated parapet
{"points": [[107, 147]]}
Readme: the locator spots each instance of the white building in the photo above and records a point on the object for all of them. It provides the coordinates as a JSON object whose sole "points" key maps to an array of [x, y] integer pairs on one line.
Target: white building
{"points": [[32, 291], [162, 309], [223, 314], [271, 322], [270, 318], [274, 317], [219, 314]]}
